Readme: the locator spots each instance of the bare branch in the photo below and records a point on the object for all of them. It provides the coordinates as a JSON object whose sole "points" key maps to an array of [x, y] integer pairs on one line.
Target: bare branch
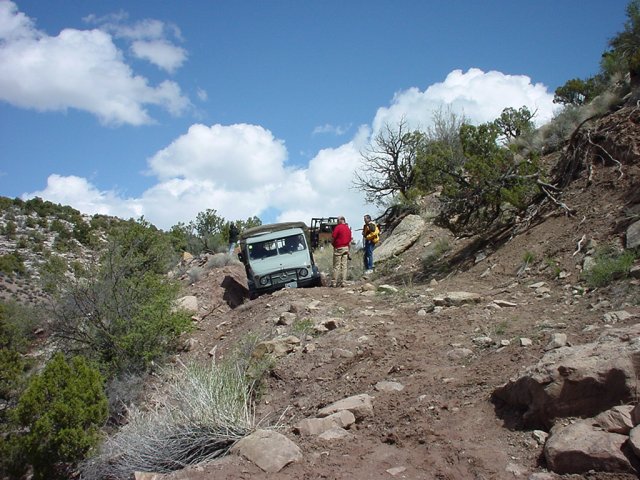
{"points": [[618, 164], [579, 245]]}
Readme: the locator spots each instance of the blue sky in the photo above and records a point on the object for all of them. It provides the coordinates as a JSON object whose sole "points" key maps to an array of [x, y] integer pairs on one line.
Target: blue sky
{"points": [[167, 108]]}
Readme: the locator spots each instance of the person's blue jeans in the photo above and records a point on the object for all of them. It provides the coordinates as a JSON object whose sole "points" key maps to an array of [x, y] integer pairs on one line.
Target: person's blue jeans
{"points": [[368, 255]]}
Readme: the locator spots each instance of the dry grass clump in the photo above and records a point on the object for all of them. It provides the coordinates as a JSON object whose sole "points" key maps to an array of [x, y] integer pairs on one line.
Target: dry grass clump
{"points": [[207, 409], [221, 260]]}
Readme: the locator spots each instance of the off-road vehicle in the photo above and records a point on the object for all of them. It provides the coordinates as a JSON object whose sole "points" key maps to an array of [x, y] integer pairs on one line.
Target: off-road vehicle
{"points": [[277, 256]]}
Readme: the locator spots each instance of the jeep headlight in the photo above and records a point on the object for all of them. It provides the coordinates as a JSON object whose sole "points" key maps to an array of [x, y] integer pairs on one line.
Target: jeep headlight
{"points": [[303, 272], [264, 280]]}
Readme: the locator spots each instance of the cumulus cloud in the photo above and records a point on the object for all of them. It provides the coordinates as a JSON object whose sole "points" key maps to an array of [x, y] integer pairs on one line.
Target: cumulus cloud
{"points": [[241, 170], [234, 156], [85, 197], [80, 69], [479, 96]]}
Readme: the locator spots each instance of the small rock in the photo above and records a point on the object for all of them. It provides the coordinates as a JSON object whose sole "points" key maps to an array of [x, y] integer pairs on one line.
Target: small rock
{"points": [[505, 303], [525, 342], [188, 303], [341, 353], [483, 341], [387, 289], [385, 386], [146, 476], [286, 318], [619, 316], [360, 405], [336, 433], [616, 420], [396, 471], [558, 340], [459, 353], [540, 436]]}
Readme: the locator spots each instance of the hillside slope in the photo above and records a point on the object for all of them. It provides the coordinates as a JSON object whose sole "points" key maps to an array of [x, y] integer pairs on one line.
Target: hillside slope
{"points": [[436, 420]]}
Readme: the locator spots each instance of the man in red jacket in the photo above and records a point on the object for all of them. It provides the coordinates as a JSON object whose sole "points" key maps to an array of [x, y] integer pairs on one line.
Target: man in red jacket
{"points": [[341, 240]]}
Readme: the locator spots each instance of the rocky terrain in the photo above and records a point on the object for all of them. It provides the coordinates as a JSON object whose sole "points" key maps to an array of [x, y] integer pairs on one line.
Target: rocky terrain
{"points": [[505, 364], [493, 369]]}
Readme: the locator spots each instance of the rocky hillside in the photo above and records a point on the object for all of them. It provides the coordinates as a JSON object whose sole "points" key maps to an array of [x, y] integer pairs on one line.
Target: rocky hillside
{"points": [[36, 232], [513, 355], [496, 357]]}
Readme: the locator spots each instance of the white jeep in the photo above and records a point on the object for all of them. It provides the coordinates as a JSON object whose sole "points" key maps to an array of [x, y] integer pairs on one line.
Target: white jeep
{"points": [[278, 256]]}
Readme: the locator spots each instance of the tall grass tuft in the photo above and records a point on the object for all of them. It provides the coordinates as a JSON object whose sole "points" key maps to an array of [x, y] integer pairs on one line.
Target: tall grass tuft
{"points": [[609, 265], [207, 409]]}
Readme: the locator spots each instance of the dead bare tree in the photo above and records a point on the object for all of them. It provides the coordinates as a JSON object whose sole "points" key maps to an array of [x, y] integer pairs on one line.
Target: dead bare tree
{"points": [[388, 164]]}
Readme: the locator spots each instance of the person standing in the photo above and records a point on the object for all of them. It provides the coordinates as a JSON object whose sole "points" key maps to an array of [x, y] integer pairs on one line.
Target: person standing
{"points": [[370, 236], [233, 237], [341, 239]]}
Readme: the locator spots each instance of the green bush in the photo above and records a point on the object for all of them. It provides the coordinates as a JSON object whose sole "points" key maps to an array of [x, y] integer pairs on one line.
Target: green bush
{"points": [[52, 272], [16, 324], [120, 312], [60, 412], [9, 228], [5, 204], [11, 263], [609, 265], [82, 232]]}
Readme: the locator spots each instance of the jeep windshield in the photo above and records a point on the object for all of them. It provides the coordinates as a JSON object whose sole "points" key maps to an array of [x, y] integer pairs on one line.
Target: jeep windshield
{"points": [[278, 246]]}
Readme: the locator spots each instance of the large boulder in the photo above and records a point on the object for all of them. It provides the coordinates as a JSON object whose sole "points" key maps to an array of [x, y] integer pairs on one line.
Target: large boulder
{"points": [[403, 236], [580, 447], [235, 287], [579, 381]]}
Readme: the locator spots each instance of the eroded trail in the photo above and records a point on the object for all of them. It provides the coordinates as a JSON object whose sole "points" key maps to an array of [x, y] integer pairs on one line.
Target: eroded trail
{"points": [[437, 421]]}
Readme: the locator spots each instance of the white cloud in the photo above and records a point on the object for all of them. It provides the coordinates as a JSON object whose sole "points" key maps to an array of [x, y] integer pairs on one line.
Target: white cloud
{"points": [[241, 170], [161, 53], [337, 130], [480, 96], [85, 197], [144, 29], [150, 39], [234, 157], [80, 69]]}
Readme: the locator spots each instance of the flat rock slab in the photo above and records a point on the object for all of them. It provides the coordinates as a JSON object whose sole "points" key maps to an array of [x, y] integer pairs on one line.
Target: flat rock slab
{"points": [[456, 299], [404, 235], [360, 405], [269, 450]]}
